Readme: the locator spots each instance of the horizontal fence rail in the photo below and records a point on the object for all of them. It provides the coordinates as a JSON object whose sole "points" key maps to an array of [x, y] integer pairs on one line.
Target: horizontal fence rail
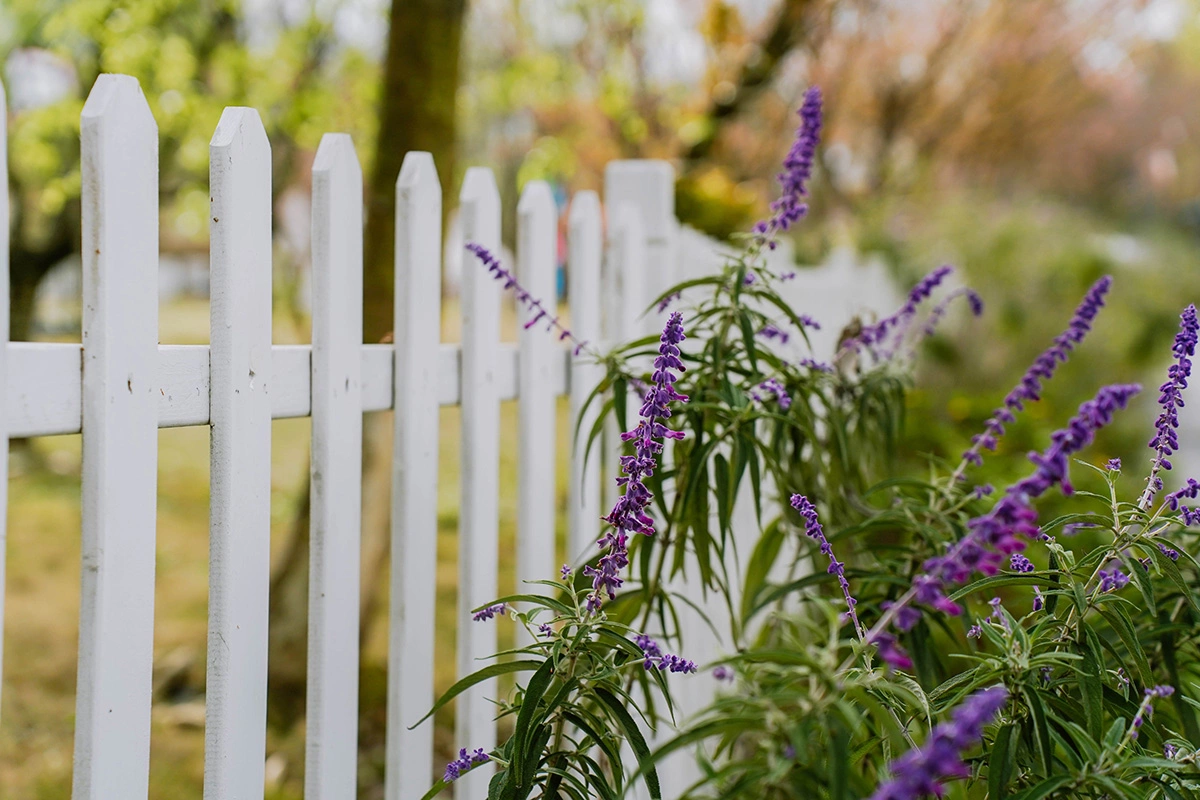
{"points": [[43, 392], [120, 385]]}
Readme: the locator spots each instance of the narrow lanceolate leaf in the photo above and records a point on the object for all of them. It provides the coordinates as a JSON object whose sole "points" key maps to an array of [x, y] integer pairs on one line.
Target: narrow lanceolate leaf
{"points": [[636, 741], [1003, 759], [478, 677], [527, 717]]}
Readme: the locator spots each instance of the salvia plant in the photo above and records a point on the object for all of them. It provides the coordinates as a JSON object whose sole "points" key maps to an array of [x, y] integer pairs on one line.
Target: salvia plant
{"points": [[889, 636]]}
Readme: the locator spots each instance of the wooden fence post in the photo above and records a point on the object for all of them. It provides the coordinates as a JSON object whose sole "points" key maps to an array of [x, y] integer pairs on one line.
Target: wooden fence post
{"points": [[119, 147], [584, 258], [414, 476], [537, 406], [478, 550], [331, 759], [240, 409]]}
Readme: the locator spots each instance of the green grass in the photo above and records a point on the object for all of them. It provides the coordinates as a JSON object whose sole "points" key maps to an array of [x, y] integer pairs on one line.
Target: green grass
{"points": [[42, 607]]}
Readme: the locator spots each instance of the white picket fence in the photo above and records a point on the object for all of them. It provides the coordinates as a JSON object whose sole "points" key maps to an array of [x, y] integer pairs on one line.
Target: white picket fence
{"points": [[120, 385]]}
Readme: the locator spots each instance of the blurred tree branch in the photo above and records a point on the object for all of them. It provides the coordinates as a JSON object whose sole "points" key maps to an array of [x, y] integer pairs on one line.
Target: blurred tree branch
{"points": [[787, 32]]}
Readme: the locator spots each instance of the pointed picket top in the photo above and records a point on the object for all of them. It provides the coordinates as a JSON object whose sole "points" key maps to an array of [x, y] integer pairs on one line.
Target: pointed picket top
{"points": [[418, 174], [119, 200], [537, 262], [118, 101], [241, 125], [480, 200], [585, 254], [417, 326], [240, 408]]}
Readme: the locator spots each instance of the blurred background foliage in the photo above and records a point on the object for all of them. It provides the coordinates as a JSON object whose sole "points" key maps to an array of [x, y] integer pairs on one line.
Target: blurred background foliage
{"points": [[1036, 145]]}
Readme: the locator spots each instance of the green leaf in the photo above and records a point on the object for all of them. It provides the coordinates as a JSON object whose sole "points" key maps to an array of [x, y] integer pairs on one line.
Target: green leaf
{"points": [[636, 741], [1003, 760], [538, 684], [490, 671], [1041, 731], [1043, 789]]}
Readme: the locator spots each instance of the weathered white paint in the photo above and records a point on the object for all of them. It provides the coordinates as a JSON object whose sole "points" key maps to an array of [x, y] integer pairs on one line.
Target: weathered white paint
{"points": [[478, 550], [4, 310], [119, 146], [331, 739], [239, 571], [417, 329], [583, 262], [537, 417]]}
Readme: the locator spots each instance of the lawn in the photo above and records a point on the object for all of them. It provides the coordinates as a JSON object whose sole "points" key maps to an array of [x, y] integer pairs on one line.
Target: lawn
{"points": [[42, 606]]}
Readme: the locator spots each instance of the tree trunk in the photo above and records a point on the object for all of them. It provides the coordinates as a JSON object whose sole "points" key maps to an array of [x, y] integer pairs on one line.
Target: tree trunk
{"points": [[417, 112]]}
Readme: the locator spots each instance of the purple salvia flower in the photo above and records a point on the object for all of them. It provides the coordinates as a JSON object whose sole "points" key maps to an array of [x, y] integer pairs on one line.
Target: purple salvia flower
{"points": [[1166, 441], [809, 322], [485, 614], [813, 530], [545, 630], [1020, 563], [975, 631], [1169, 552], [797, 169], [775, 389], [816, 366], [565, 571], [1039, 602], [629, 514], [1146, 709], [974, 301], [893, 327], [1002, 530], [464, 763], [982, 490], [665, 303], [1029, 390], [1113, 465], [1170, 750], [771, 331], [921, 772], [722, 673], [1113, 578], [890, 651], [532, 304], [657, 659]]}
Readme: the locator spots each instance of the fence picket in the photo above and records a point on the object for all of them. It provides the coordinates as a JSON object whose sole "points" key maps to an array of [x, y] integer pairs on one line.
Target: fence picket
{"points": [[537, 255], [649, 186], [478, 550], [331, 758], [625, 277], [4, 311], [584, 257], [414, 476], [240, 408], [119, 148]]}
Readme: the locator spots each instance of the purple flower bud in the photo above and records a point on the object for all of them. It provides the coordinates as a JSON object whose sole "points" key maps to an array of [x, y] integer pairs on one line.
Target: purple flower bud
{"points": [[797, 169], [464, 763], [813, 530], [485, 614], [921, 772], [1113, 465], [1170, 398], [1020, 563], [1043, 368]]}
